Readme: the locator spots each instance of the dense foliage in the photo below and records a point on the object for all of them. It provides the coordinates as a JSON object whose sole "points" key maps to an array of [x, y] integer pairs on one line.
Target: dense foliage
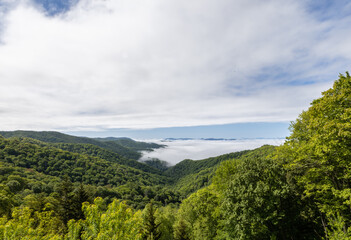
{"points": [[102, 153], [300, 190], [318, 153], [79, 167]]}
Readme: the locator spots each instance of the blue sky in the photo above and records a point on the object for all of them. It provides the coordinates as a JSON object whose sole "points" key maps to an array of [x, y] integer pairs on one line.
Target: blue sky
{"points": [[329, 9], [54, 7], [228, 131], [323, 9], [176, 68]]}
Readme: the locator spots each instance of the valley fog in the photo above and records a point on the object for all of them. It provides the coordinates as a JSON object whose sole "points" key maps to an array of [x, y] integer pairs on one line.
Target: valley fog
{"points": [[177, 150]]}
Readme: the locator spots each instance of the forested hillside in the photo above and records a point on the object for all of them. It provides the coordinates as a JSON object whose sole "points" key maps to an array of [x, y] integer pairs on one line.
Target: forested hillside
{"points": [[102, 153], [300, 190], [124, 147], [190, 175]]}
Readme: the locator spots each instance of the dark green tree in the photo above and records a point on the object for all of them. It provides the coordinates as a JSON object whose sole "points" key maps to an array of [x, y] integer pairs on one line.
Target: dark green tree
{"points": [[65, 199], [150, 227], [80, 195], [258, 202]]}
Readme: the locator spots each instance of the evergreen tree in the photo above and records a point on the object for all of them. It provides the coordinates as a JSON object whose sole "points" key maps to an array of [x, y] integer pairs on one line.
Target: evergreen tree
{"points": [[80, 196], [151, 228], [65, 198]]}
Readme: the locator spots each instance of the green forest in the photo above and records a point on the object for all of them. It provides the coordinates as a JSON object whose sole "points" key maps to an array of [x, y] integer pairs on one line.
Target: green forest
{"points": [[57, 186]]}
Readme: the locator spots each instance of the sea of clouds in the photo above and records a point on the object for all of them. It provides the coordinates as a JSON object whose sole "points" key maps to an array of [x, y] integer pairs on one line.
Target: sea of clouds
{"points": [[196, 149]]}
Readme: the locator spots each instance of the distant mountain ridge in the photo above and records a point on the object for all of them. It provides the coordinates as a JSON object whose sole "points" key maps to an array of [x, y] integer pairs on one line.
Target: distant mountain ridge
{"points": [[132, 144], [126, 147]]}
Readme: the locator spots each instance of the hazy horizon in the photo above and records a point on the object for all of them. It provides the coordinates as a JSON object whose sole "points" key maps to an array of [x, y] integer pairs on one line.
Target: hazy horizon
{"points": [[228, 131]]}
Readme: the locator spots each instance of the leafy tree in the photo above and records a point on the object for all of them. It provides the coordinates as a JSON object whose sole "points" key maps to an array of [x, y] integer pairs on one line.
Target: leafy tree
{"points": [[117, 222], [200, 212], [40, 202], [318, 152], [337, 228], [166, 217], [258, 202], [181, 230], [26, 224], [75, 230]]}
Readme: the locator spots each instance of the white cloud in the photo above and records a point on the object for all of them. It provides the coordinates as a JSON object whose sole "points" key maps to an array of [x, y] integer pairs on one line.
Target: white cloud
{"points": [[179, 150], [141, 64]]}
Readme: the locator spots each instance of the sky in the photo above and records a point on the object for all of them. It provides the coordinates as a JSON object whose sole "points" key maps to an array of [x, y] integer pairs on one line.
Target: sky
{"points": [[168, 68], [226, 131]]}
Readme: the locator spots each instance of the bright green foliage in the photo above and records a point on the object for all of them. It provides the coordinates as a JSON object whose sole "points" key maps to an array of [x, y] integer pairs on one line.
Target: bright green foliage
{"points": [[337, 229], [75, 228], [3, 221], [117, 222], [166, 216], [318, 151], [200, 214], [26, 224]]}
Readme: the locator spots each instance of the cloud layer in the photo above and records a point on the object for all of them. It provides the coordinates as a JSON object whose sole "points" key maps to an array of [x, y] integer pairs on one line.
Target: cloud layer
{"points": [[143, 64], [179, 150]]}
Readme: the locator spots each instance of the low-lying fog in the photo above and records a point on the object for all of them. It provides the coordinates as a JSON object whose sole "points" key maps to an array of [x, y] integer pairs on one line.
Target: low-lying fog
{"points": [[178, 150]]}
